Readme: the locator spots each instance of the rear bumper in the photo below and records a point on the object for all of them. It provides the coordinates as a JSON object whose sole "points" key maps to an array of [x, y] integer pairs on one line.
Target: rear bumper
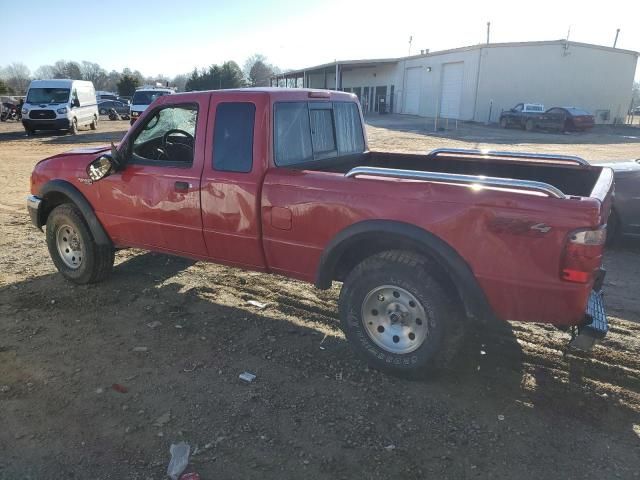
{"points": [[52, 124], [33, 206]]}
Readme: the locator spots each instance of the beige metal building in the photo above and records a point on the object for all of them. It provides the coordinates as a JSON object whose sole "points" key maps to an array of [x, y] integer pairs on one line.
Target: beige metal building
{"points": [[478, 82]]}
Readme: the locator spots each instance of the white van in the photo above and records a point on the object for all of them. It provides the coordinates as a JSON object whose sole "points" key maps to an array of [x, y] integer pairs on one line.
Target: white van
{"points": [[145, 96], [60, 105]]}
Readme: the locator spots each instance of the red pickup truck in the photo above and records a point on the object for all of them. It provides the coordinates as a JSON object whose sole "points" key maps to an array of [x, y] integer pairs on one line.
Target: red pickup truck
{"points": [[282, 181]]}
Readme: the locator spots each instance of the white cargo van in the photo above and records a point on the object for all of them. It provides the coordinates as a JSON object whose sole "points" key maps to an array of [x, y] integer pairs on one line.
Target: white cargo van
{"points": [[60, 105], [145, 96]]}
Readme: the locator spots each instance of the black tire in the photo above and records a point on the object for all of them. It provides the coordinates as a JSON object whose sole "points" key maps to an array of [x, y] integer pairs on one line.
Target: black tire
{"points": [[30, 132], [73, 130], [529, 126], [504, 123], [97, 260], [94, 124], [410, 273]]}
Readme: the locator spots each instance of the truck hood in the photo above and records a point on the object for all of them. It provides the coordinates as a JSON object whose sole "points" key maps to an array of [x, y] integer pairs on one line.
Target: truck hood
{"points": [[69, 166], [91, 152]]}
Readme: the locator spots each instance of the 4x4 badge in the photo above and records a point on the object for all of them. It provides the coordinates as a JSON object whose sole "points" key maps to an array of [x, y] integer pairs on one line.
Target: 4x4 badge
{"points": [[541, 227]]}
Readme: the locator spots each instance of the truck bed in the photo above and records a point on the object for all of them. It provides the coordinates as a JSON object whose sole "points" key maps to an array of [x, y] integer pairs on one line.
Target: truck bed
{"points": [[569, 176]]}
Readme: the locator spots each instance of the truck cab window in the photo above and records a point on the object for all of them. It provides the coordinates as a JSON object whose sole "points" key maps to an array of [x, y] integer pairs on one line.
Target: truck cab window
{"points": [[233, 137], [307, 131], [167, 136]]}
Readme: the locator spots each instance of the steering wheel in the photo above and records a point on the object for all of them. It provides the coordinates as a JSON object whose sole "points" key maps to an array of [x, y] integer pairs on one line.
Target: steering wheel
{"points": [[163, 151], [165, 137]]}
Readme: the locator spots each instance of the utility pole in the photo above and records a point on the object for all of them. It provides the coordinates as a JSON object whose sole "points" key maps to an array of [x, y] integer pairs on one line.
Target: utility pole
{"points": [[488, 31], [616, 40], [410, 41]]}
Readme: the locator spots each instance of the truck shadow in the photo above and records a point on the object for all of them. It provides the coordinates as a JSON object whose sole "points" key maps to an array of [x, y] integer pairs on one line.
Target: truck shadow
{"points": [[516, 371]]}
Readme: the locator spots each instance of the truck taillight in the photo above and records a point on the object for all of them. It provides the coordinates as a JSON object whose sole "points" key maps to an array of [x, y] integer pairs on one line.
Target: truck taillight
{"points": [[583, 255]]}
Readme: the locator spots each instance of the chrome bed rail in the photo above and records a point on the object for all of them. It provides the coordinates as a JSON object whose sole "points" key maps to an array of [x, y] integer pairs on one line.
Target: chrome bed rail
{"points": [[497, 155], [468, 180]]}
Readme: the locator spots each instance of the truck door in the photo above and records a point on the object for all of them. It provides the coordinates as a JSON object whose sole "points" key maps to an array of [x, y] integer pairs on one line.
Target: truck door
{"points": [[234, 167], [154, 202]]}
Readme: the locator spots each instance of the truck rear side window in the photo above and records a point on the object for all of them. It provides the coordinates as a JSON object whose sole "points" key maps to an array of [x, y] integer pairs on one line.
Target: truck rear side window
{"points": [[307, 131], [292, 134], [233, 137]]}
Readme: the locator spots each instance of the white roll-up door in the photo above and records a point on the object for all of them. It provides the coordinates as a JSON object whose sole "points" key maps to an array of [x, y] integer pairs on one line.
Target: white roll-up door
{"points": [[451, 93], [412, 80]]}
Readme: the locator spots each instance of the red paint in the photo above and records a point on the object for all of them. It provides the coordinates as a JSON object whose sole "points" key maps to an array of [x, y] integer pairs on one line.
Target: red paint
{"points": [[280, 220]]}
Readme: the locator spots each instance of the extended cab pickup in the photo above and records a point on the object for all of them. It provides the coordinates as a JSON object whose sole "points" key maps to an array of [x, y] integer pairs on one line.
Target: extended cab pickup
{"points": [[282, 181]]}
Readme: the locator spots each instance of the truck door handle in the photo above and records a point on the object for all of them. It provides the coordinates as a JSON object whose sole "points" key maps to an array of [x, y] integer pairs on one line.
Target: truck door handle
{"points": [[182, 186]]}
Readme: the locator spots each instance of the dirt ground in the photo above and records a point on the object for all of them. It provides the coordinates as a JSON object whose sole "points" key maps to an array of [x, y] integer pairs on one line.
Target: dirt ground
{"points": [[511, 406]]}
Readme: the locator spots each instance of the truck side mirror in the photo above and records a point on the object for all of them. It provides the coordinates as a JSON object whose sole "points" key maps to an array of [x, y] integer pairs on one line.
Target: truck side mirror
{"points": [[76, 102], [101, 167]]}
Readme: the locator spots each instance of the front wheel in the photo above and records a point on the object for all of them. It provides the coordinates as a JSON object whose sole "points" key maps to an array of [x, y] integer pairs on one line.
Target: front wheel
{"points": [[396, 315], [73, 249], [73, 129], [94, 124]]}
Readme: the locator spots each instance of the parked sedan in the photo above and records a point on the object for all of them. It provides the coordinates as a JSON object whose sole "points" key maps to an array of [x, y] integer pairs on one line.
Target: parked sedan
{"points": [[625, 214], [568, 119], [121, 108]]}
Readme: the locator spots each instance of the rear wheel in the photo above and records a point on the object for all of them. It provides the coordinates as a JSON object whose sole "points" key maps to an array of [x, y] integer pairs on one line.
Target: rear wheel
{"points": [[529, 126], [503, 122], [30, 132], [396, 315], [73, 249]]}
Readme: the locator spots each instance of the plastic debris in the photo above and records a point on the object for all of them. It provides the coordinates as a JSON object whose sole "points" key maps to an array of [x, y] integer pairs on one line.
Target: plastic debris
{"points": [[190, 476], [119, 388], [162, 420], [140, 349], [154, 324], [247, 377], [257, 304], [179, 459], [390, 447], [501, 417], [482, 352]]}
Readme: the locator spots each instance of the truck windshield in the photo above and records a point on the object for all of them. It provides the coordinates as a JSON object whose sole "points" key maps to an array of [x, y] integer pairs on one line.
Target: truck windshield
{"points": [[48, 95], [146, 97]]}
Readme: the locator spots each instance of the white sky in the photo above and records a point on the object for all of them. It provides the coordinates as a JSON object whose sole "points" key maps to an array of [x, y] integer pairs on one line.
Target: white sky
{"points": [[171, 37]]}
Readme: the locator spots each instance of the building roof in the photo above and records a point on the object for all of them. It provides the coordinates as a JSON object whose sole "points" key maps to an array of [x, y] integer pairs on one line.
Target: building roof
{"points": [[364, 63]]}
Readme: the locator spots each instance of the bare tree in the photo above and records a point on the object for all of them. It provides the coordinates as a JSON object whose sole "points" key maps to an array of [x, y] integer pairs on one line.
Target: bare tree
{"points": [[180, 82], [257, 71], [17, 77], [93, 72], [43, 72], [64, 69]]}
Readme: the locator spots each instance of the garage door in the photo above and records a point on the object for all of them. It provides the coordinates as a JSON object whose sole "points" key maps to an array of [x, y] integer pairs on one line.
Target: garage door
{"points": [[451, 96], [412, 90]]}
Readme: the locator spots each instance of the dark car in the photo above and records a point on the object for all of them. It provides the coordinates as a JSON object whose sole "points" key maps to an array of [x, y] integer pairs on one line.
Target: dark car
{"points": [[625, 213], [567, 119], [106, 105]]}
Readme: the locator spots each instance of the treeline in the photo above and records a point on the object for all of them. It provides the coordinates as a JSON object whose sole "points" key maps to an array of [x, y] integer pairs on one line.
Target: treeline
{"points": [[15, 78]]}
